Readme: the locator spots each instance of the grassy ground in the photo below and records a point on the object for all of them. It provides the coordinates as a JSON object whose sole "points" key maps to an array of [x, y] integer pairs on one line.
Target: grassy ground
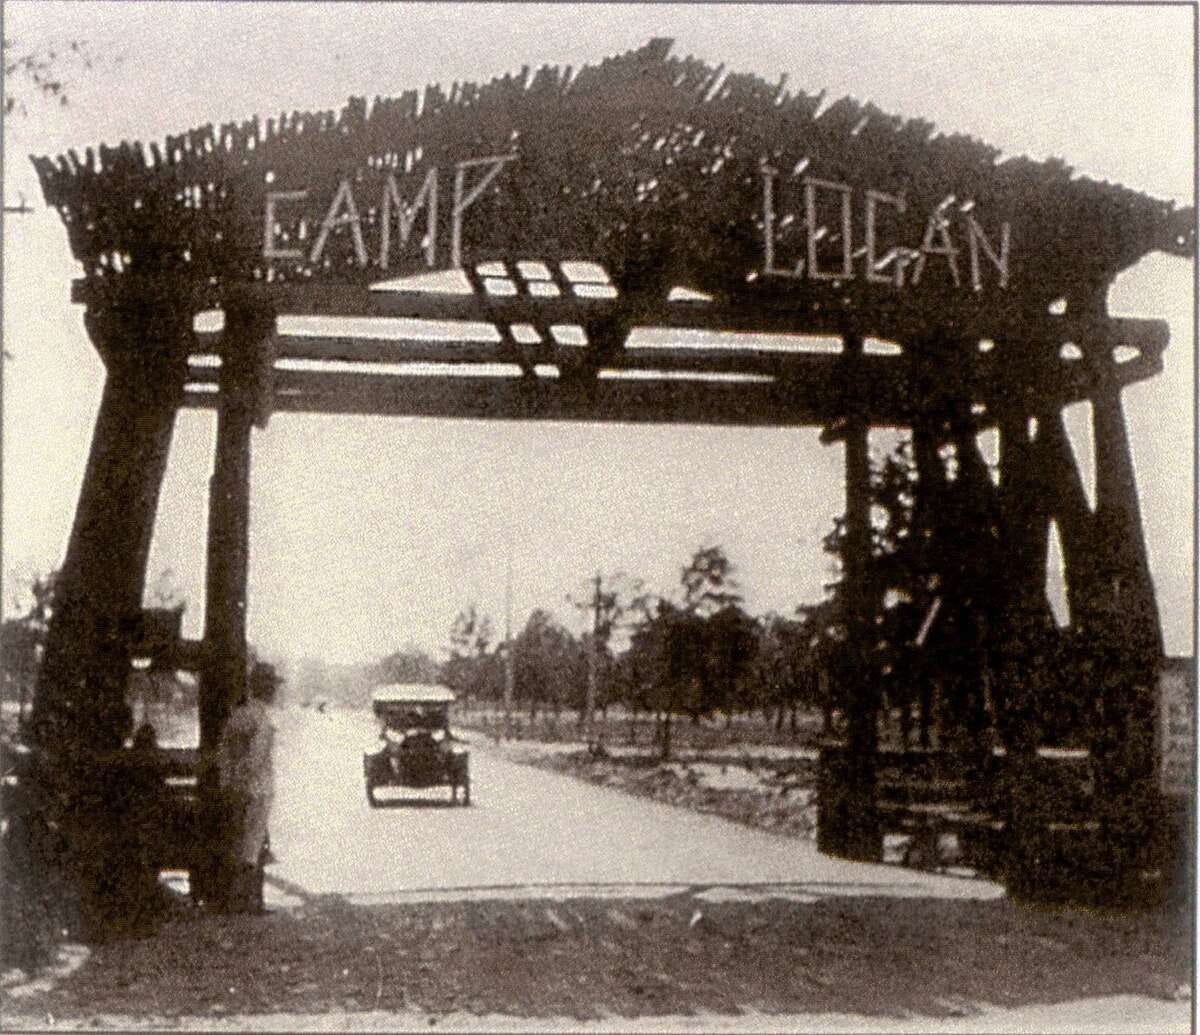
{"points": [[743, 769], [625, 731], [778, 797]]}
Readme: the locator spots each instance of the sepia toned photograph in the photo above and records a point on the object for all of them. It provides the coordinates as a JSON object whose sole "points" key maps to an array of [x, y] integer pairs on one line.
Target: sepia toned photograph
{"points": [[598, 517]]}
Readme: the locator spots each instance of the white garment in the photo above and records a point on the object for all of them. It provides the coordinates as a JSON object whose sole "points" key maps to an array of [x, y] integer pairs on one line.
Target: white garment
{"points": [[248, 774]]}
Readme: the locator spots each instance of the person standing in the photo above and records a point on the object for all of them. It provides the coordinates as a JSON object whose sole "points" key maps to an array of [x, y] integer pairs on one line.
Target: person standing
{"points": [[247, 776]]}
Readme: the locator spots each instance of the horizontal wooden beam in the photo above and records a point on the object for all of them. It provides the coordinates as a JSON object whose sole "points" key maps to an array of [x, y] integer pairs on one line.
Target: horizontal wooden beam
{"points": [[817, 310], [681, 358], [992, 370], [518, 398], [817, 392]]}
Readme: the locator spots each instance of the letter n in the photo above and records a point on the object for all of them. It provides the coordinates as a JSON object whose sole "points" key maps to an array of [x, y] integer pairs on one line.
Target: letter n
{"points": [[976, 239]]}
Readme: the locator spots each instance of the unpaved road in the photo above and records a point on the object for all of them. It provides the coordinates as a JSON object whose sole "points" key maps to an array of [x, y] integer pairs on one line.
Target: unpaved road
{"points": [[526, 832], [552, 904]]}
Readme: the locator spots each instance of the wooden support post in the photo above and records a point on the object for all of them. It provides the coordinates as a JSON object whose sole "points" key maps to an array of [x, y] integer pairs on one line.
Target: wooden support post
{"points": [[223, 678], [1083, 563], [1025, 512], [1125, 638], [79, 706], [977, 584], [80, 709], [864, 840], [849, 824], [1118, 514]]}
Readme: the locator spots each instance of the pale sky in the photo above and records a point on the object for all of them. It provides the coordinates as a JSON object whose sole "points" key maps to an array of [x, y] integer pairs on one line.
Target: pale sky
{"points": [[367, 533]]}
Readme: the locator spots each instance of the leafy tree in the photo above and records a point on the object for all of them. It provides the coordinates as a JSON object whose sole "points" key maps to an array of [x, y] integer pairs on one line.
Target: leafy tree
{"points": [[22, 640], [608, 602], [682, 658], [410, 664], [730, 638], [787, 666], [467, 669], [708, 581], [667, 657], [547, 661]]}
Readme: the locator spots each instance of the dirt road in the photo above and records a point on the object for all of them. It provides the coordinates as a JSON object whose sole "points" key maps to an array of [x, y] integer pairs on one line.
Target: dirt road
{"points": [[527, 832], [552, 904]]}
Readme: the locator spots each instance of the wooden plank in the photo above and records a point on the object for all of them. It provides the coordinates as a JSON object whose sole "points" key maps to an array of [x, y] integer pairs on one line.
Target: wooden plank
{"points": [[807, 391], [681, 358], [982, 378], [818, 310], [513, 399]]}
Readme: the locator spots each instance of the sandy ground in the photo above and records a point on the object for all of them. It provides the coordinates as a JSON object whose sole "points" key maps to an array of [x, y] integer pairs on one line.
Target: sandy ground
{"points": [[1130, 1015], [527, 832], [551, 904]]}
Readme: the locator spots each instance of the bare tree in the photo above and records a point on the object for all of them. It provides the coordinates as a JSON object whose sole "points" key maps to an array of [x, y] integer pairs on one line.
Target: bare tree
{"points": [[43, 74]]}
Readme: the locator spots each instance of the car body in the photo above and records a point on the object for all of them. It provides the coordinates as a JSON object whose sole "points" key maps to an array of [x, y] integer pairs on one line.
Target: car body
{"points": [[418, 750]]}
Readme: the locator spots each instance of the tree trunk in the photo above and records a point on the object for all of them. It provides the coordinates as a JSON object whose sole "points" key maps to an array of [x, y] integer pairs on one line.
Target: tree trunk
{"points": [[666, 738]]}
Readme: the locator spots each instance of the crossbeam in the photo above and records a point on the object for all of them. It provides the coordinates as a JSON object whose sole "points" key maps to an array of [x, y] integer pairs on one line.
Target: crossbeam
{"points": [[819, 311], [665, 383]]}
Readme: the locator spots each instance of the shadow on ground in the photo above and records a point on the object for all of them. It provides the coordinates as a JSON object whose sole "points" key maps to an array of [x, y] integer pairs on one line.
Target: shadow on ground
{"points": [[416, 803], [585, 958]]}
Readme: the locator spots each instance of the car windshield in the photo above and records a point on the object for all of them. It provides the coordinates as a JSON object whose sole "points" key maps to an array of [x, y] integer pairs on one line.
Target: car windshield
{"points": [[414, 716]]}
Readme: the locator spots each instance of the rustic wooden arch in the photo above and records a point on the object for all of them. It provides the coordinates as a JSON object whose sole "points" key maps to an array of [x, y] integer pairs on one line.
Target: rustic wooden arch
{"points": [[543, 225]]}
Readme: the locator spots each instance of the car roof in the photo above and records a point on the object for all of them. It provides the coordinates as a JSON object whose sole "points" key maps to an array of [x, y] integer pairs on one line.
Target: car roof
{"points": [[412, 693]]}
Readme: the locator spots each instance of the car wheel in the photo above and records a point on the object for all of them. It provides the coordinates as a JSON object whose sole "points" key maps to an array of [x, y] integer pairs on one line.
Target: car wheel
{"points": [[371, 800], [466, 792]]}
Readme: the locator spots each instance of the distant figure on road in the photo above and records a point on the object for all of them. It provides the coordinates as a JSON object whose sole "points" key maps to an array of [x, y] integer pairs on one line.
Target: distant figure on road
{"points": [[248, 782]]}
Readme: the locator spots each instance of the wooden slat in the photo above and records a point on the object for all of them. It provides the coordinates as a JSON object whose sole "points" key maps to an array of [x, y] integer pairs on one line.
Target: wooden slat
{"points": [[816, 312], [511, 399], [673, 358], [818, 384]]}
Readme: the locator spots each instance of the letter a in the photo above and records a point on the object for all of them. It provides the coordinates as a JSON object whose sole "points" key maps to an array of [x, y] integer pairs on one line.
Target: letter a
{"points": [[937, 225], [344, 197]]}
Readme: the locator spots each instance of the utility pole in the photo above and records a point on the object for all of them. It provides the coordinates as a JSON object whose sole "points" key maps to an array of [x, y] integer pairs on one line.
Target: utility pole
{"points": [[508, 653], [593, 660]]}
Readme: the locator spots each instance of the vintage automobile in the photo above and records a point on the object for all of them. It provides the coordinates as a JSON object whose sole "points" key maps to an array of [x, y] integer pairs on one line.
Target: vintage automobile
{"points": [[418, 749]]}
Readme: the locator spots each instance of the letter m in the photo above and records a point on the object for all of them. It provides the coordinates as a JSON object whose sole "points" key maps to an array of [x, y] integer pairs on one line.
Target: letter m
{"points": [[405, 215]]}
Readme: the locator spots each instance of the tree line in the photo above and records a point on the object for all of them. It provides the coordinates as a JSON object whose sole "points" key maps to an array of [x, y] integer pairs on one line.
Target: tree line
{"points": [[695, 652], [932, 578]]}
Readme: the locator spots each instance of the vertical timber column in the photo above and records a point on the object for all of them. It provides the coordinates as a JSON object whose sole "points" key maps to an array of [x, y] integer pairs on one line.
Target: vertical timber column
{"points": [[864, 840], [927, 507], [223, 679], [1024, 607], [850, 823], [1119, 516], [78, 706], [1127, 641]]}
